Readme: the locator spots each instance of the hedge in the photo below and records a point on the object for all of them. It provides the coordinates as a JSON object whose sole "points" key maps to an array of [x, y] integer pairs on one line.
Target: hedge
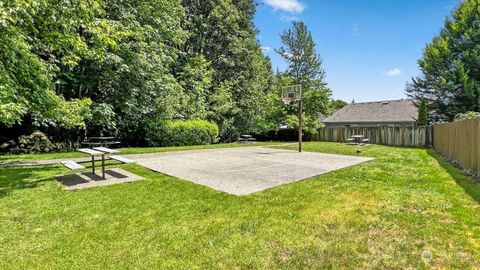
{"points": [[181, 132]]}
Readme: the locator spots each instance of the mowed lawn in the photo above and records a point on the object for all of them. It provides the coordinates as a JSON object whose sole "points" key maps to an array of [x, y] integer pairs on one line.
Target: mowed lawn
{"points": [[407, 208]]}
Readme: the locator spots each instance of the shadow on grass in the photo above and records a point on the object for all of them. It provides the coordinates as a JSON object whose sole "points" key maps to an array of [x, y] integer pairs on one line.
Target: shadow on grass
{"points": [[468, 184], [15, 178]]}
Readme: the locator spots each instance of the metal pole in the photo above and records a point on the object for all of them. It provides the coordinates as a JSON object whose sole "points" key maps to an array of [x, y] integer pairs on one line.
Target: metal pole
{"points": [[93, 164], [103, 166], [300, 125]]}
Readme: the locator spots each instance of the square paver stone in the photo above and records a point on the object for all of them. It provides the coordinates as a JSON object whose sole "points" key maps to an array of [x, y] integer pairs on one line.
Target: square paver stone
{"points": [[82, 180], [244, 170]]}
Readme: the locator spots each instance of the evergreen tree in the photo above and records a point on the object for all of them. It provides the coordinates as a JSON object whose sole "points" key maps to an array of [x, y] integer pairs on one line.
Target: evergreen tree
{"points": [[305, 67], [422, 113], [450, 66], [299, 51]]}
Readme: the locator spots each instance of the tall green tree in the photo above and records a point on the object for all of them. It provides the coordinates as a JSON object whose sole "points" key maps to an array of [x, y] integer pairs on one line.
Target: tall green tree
{"points": [[450, 66], [422, 118], [39, 39], [300, 53], [137, 78], [305, 67], [196, 80], [223, 32]]}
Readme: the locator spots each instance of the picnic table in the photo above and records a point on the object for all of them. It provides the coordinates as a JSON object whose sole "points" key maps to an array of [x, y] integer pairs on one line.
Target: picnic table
{"points": [[98, 151], [358, 139], [246, 138]]}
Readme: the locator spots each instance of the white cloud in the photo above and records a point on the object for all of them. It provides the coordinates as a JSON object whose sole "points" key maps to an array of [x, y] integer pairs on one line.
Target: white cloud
{"points": [[393, 72], [287, 18], [293, 6], [266, 49]]}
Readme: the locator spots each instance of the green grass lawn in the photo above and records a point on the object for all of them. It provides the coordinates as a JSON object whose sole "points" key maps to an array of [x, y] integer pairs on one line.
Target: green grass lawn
{"points": [[406, 209]]}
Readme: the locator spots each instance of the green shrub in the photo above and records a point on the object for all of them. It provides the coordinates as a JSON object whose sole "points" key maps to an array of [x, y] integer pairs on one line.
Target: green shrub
{"points": [[466, 115], [179, 132], [37, 142]]}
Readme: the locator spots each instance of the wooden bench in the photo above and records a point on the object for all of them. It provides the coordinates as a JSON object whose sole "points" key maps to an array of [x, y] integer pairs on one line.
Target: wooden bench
{"points": [[122, 159], [106, 150], [364, 141], [351, 141], [72, 165], [246, 140]]}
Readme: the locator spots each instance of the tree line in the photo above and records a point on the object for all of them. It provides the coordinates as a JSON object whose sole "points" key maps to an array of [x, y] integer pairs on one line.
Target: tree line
{"points": [[115, 67], [105, 67]]}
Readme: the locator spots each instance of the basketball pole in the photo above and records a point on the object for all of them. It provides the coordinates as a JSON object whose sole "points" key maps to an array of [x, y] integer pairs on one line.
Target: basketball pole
{"points": [[296, 95], [300, 124]]}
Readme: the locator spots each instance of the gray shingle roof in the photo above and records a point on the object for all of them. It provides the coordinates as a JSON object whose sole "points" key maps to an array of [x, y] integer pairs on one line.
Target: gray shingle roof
{"points": [[388, 111]]}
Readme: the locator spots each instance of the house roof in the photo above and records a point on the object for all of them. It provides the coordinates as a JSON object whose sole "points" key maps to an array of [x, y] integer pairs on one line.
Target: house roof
{"points": [[388, 111]]}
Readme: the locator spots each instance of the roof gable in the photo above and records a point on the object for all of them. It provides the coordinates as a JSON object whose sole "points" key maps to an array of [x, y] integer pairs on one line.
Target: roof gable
{"points": [[389, 111]]}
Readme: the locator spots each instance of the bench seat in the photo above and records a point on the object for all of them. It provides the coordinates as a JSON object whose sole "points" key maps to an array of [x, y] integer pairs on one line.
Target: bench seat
{"points": [[122, 159], [99, 143], [246, 140], [72, 165]]}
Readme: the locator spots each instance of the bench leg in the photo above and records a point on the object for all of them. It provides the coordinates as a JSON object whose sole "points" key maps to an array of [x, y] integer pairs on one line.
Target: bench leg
{"points": [[103, 166], [93, 164]]}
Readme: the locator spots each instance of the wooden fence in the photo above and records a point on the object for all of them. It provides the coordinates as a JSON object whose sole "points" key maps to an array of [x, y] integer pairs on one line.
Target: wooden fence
{"points": [[397, 136], [459, 142]]}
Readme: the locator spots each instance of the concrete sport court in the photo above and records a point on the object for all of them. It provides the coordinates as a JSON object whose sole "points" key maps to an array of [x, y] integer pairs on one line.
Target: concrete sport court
{"points": [[244, 170]]}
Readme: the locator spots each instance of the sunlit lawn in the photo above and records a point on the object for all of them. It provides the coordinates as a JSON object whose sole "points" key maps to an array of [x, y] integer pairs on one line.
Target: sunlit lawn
{"points": [[407, 208]]}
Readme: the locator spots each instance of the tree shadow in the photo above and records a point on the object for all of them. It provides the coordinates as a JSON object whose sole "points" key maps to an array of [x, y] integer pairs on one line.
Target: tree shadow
{"points": [[468, 184], [25, 177]]}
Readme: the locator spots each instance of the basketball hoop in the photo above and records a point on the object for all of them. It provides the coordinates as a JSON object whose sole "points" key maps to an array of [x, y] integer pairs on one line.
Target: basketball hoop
{"points": [[291, 93]]}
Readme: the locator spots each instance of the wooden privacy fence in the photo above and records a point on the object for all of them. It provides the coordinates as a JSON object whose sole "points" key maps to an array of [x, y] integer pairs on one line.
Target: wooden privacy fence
{"points": [[459, 142], [396, 136]]}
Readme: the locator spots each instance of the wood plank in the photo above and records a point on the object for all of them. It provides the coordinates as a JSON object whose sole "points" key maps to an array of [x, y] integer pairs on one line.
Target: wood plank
{"points": [[459, 141], [90, 151], [106, 150], [72, 165], [122, 159]]}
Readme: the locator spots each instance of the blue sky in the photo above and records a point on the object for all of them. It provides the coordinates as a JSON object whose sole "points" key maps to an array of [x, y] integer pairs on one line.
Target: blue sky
{"points": [[369, 48]]}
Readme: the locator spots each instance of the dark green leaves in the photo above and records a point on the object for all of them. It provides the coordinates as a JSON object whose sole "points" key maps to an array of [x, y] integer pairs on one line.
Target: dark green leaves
{"points": [[450, 65]]}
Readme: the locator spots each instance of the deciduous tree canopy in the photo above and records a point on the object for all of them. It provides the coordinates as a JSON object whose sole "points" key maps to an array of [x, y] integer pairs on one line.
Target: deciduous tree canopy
{"points": [[114, 66], [136, 59]]}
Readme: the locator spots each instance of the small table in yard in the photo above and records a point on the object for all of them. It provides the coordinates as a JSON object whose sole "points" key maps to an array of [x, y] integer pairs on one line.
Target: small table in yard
{"points": [[246, 138], [358, 138], [98, 151]]}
